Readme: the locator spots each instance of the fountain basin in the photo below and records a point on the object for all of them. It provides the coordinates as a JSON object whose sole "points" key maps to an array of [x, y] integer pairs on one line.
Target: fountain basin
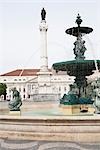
{"points": [[47, 109], [77, 67], [75, 30], [51, 128]]}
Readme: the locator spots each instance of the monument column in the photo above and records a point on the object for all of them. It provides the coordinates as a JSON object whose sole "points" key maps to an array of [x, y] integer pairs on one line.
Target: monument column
{"points": [[43, 42], [44, 75]]}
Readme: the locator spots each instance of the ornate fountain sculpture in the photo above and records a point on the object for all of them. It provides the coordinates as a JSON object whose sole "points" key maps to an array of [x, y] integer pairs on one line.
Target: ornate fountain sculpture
{"points": [[15, 103], [79, 49], [80, 67]]}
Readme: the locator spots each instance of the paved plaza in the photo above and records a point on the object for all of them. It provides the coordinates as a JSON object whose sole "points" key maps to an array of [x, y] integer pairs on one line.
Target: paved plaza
{"points": [[7, 144]]}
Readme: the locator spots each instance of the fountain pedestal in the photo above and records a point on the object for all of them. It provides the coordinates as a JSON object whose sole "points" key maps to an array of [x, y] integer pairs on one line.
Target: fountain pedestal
{"points": [[15, 113], [76, 109]]}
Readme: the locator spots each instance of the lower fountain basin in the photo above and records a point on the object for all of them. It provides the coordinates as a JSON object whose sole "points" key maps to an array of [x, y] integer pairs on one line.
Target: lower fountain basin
{"points": [[77, 67], [47, 109], [51, 128], [36, 125]]}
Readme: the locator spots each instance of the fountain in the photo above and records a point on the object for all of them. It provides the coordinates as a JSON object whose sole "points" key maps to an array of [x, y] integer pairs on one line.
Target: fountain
{"points": [[53, 126], [80, 68]]}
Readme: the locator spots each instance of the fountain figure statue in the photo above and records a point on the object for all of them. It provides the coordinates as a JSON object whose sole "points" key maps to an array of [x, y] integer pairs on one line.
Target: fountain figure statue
{"points": [[96, 95], [15, 103], [79, 49]]}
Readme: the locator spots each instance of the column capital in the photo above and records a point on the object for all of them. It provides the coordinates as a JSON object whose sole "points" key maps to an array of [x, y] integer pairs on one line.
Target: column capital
{"points": [[43, 26]]}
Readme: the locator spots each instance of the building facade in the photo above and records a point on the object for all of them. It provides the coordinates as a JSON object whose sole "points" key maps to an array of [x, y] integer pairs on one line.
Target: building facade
{"points": [[33, 86]]}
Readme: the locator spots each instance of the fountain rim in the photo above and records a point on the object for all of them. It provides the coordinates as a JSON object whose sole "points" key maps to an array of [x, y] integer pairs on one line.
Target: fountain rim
{"points": [[44, 118], [75, 30], [76, 62]]}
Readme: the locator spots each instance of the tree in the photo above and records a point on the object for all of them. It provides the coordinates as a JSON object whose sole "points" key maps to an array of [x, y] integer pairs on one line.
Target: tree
{"points": [[3, 88]]}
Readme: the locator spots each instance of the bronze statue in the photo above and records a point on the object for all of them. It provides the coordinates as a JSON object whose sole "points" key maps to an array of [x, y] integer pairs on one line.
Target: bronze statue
{"points": [[79, 48], [16, 102], [43, 14], [96, 95]]}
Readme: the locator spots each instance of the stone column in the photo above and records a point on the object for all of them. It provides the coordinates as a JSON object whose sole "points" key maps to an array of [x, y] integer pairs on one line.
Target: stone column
{"points": [[44, 75], [43, 46]]}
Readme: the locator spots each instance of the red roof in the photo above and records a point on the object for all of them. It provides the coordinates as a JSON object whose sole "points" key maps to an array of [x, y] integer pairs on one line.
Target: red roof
{"points": [[22, 72]]}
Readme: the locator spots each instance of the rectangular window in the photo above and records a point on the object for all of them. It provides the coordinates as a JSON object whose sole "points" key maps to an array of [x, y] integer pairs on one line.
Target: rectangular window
{"points": [[65, 89], [28, 96], [59, 88]]}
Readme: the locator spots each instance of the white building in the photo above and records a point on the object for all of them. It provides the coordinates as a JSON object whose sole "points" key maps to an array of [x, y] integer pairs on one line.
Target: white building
{"points": [[38, 84], [31, 86]]}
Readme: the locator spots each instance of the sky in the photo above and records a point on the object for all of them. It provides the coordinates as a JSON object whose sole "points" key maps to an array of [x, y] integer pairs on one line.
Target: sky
{"points": [[20, 35]]}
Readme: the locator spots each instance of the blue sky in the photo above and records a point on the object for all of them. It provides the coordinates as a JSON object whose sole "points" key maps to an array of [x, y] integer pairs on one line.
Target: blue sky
{"points": [[20, 36]]}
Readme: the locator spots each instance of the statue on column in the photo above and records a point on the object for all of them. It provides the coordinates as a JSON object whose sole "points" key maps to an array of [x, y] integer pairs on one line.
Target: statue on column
{"points": [[43, 14]]}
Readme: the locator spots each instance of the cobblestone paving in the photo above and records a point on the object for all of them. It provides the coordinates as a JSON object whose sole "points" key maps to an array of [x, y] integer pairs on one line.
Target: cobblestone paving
{"points": [[7, 144]]}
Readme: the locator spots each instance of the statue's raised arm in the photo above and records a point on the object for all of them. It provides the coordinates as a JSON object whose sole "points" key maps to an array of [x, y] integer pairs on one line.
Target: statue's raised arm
{"points": [[43, 14]]}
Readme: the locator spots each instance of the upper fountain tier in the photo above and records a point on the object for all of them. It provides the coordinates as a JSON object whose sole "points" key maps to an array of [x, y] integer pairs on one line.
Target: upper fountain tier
{"points": [[75, 31], [79, 44], [80, 68]]}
